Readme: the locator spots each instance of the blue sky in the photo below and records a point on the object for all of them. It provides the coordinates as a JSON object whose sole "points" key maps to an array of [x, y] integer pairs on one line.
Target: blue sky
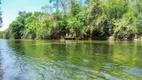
{"points": [[10, 9]]}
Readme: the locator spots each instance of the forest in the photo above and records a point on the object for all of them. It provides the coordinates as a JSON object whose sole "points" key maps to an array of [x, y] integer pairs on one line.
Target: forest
{"points": [[79, 20]]}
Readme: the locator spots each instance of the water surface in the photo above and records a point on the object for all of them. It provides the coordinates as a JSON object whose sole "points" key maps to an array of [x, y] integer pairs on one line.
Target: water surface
{"points": [[70, 60]]}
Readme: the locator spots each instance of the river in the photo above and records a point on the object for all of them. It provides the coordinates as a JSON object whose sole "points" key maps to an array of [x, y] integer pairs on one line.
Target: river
{"points": [[70, 60]]}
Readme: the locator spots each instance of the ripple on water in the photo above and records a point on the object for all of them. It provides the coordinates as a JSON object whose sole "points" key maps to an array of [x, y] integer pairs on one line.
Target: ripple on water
{"points": [[36, 62]]}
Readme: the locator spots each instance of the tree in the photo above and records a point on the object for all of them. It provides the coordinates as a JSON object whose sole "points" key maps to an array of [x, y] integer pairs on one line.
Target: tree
{"points": [[95, 19], [138, 15], [63, 4], [47, 9], [32, 24], [0, 16], [16, 30]]}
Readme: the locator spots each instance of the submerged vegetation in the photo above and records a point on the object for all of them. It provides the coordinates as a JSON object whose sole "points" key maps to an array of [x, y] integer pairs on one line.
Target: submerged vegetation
{"points": [[79, 19]]}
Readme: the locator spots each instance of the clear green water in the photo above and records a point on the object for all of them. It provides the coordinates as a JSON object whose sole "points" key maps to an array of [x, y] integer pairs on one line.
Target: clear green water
{"points": [[70, 60]]}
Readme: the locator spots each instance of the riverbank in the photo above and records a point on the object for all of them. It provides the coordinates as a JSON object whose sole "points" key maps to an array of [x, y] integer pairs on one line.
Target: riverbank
{"points": [[74, 39]]}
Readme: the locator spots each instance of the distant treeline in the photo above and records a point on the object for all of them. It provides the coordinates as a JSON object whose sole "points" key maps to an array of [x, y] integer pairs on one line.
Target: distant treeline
{"points": [[76, 19]]}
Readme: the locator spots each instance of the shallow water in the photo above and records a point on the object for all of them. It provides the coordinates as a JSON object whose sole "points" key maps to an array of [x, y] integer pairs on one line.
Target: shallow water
{"points": [[70, 60]]}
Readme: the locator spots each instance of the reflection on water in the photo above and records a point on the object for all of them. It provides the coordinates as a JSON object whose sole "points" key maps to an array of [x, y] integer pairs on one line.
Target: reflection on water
{"points": [[81, 60]]}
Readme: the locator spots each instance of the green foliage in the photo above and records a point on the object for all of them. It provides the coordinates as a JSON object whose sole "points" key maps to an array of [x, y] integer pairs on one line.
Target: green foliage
{"points": [[138, 14], [16, 30], [95, 19], [139, 23]]}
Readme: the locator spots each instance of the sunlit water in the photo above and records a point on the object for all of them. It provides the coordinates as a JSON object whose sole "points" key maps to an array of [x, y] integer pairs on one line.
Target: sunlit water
{"points": [[70, 60]]}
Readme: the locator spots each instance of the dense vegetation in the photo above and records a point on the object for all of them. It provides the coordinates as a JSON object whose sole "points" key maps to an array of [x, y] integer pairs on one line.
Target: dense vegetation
{"points": [[75, 19]]}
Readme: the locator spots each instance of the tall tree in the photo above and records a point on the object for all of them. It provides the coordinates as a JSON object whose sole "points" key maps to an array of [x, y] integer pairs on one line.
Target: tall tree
{"points": [[138, 14], [64, 5], [0, 16]]}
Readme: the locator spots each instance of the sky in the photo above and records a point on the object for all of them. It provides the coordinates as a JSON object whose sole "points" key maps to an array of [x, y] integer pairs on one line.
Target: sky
{"points": [[10, 9]]}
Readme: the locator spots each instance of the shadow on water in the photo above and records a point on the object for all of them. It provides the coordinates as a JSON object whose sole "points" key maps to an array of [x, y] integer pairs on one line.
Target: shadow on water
{"points": [[81, 60]]}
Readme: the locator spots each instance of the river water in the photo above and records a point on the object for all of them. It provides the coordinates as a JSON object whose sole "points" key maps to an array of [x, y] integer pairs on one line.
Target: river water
{"points": [[70, 60]]}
